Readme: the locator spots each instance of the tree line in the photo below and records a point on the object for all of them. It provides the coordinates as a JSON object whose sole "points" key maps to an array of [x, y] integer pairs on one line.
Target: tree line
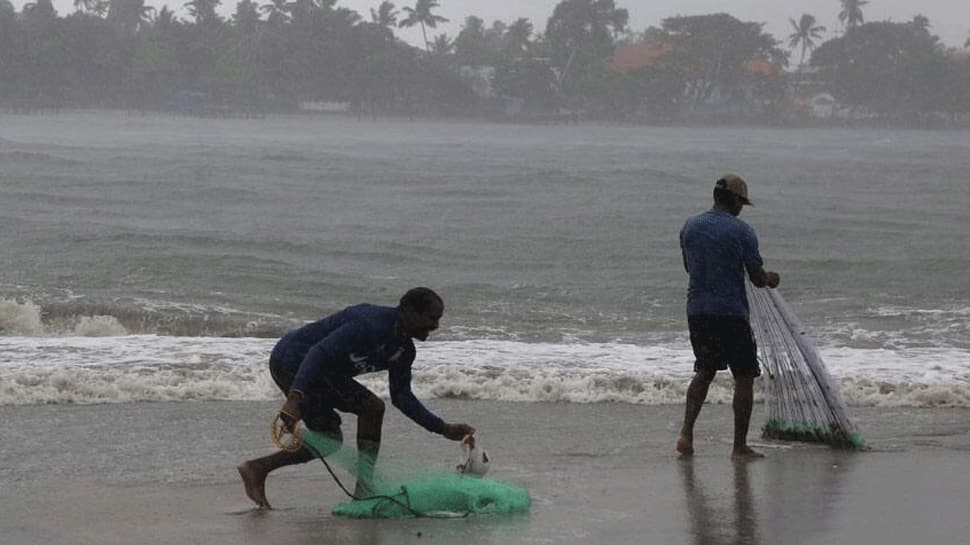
{"points": [[274, 55]]}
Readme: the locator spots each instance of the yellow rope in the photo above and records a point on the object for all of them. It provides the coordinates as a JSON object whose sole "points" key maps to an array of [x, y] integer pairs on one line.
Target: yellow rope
{"points": [[278, 434]]}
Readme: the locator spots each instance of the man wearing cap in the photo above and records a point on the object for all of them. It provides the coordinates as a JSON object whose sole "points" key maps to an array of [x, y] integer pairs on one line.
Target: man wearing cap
{"points": [[718, 248]]}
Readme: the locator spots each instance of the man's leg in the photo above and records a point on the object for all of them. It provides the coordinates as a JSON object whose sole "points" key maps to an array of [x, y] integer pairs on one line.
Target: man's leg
{"points": [[254, 472], [370, 420], [743, 401], [696, 394], [355, 399]]}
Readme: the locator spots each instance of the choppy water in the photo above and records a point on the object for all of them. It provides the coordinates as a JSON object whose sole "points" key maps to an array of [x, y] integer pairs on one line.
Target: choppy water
{"points": [[158, 257]]}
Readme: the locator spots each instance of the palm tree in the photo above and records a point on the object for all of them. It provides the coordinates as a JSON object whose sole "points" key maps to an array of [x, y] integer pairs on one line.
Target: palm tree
{"points": [[805, 33], [126, 16], [443, 45], [203, 10], [276, 11], [517, 36], [421, 14], [98, 7], [164, 19], [851, 14], [921, 22], [246, 16], [385, 15], [43, 8]]}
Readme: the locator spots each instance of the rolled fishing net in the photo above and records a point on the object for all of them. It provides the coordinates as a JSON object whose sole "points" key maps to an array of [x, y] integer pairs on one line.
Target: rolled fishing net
{"points": [[437, 494], [802, 402]]}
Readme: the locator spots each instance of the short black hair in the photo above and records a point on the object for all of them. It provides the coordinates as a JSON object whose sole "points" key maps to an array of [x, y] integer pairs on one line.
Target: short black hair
{"points": [[420, 299]]}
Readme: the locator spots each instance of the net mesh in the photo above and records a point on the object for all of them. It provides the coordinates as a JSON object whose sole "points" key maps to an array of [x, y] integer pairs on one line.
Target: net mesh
{"points": [[802, 402], [442, 494]]}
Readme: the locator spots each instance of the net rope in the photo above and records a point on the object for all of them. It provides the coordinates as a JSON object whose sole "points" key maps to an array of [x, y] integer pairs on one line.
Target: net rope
{"points": [[802, 402]]}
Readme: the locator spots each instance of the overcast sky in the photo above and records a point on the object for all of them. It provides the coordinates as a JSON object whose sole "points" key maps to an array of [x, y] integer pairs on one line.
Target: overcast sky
{"points": [[950, 19]]}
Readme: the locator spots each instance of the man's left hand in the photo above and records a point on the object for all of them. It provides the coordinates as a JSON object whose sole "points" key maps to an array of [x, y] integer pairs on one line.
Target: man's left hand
{"points": [[457, 432]]}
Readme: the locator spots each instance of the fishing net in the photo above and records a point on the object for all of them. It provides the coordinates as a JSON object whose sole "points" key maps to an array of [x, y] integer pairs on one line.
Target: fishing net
{"points": [[441, 494], [803, 404]]}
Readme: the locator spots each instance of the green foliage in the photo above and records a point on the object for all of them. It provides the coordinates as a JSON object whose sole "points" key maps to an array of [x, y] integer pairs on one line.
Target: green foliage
{"points": [[805, 33], [272, 54], [894, 69], [580, 35], [709, 54], [851, 15], [531, 80]]}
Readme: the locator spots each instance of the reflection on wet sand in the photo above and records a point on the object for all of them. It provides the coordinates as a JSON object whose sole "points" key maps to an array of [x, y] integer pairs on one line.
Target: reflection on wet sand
{"points": [[716, 519]]}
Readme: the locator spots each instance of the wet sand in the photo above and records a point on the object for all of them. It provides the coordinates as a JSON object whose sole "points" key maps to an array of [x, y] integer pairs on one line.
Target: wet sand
{"points": [[157, 473]]}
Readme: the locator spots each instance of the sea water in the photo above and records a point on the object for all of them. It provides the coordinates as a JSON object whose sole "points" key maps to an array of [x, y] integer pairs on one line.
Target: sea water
{"points": [[158, 258]]}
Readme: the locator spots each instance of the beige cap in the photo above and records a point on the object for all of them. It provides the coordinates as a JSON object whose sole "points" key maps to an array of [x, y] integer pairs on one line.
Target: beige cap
{"points": [[735, 184]]}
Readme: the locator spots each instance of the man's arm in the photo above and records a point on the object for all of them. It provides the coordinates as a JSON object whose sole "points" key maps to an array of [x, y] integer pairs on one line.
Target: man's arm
{"points": [[404, 399]]}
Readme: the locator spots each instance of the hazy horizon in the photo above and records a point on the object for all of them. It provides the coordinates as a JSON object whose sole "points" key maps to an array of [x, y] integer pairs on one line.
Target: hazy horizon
{"points": [[946, 20]]}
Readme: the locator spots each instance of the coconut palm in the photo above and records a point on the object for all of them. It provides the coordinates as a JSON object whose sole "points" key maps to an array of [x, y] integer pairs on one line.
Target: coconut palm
{"points": [[805, 33], [43, 8], [442, 45], [164, 19], [277, 11], [98, 7], [421, 14], [203, 10], [385, 15], [851, 14], [517, 36], [921, 23], [126, 16]]}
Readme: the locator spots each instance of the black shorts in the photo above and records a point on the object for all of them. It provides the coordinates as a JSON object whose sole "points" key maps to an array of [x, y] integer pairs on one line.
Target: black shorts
{"points": [[325, 397], [720, 342]]}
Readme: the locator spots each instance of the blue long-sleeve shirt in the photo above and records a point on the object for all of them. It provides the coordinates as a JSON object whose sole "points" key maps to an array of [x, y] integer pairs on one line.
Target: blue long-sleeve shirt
{"points": [[359, 339]]}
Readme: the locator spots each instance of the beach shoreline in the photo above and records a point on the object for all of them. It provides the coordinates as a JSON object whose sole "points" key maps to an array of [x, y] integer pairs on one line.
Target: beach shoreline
{"points": [[604, 473]]}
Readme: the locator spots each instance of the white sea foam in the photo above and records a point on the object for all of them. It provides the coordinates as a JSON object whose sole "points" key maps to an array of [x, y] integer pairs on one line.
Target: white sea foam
{"points": [[24, 318], [79, 369]]}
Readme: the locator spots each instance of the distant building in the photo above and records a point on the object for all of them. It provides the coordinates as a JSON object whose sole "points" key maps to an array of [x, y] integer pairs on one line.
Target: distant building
{"points": [[635, 56]]}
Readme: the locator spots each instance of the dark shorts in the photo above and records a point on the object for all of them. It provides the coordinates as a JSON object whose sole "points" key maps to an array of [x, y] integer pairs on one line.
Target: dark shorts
{"points": [[327, 396], [720, 342]]}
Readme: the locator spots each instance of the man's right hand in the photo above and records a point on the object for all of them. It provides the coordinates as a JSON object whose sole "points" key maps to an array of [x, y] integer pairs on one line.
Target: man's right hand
{"points": [[772, 279], [290, 412], [457, 432]]}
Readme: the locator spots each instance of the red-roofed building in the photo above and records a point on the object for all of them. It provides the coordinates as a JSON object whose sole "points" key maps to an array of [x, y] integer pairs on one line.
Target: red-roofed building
{"points": [[761, 67], [636, 56]]}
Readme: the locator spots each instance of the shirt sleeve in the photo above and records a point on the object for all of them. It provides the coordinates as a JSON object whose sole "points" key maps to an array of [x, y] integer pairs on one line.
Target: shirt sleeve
{"points": [[328, 353], [749, 247], [403, 398]]}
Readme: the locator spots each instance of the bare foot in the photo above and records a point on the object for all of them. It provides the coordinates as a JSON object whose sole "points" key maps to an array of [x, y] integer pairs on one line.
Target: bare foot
{"points": [[685, 446], [254, 479], [745, 454]]}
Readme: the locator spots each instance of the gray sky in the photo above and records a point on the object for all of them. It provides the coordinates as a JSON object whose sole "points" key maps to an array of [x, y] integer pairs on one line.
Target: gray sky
{"points": [[949, 20]]}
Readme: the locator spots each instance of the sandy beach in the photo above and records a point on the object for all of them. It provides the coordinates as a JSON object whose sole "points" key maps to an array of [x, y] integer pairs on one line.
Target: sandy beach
{"points": [[158, 473]]}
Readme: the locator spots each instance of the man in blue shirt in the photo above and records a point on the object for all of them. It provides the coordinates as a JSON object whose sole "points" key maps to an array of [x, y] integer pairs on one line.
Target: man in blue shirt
{"points": [[315, 365], [718, 248]]}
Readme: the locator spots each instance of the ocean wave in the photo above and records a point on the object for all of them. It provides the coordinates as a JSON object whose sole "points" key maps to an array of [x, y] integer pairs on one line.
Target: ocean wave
{"points": [[37, 370], [76, 318]]}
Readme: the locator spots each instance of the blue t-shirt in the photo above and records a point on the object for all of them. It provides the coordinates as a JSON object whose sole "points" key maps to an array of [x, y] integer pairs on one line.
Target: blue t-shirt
{"points": [[717, 248], [359, 339]]}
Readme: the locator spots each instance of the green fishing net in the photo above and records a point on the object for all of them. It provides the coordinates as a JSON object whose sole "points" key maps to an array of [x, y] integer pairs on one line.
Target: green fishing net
{"points": [[442, 494]]}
